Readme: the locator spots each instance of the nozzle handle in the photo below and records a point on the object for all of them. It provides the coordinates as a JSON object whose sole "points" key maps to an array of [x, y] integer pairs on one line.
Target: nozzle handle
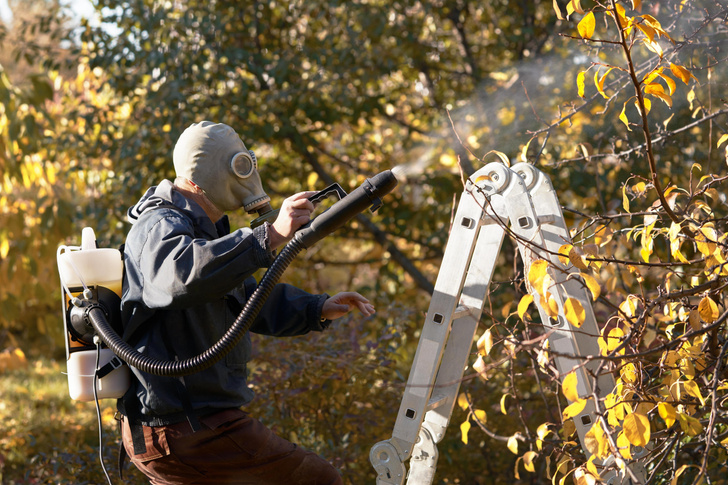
{"points": [[333, 189]]}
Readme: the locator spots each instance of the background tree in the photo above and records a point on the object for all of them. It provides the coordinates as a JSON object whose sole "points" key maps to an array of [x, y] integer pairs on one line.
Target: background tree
{"points": [[326, 92]]}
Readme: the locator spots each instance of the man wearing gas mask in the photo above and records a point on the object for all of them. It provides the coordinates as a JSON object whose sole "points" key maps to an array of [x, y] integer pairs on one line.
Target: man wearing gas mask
{"points": [[187, 277]]}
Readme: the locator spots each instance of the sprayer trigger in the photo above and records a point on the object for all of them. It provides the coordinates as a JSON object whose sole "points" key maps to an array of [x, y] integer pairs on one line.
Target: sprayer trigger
{"points": [[376, 204]]}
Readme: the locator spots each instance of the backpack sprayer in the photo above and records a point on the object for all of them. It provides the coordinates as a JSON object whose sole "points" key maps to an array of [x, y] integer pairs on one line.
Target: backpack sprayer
{"points": [[91, 281]]}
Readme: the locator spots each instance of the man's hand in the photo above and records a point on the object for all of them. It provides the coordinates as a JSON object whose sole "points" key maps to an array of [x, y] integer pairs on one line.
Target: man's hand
{"points": [[294, 213], [342, 303]]}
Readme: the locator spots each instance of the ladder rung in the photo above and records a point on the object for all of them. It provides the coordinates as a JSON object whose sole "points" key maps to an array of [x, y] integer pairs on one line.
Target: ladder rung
{"points": [[435, 401], [546, 219], [460, 311]]}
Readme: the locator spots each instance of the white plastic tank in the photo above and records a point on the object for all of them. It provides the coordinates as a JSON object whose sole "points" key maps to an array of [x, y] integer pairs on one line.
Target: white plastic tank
{"points": [[84, 267]]}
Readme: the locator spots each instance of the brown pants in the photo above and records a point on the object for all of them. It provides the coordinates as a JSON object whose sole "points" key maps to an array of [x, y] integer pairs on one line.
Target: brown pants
{"points": [[231, 448]]}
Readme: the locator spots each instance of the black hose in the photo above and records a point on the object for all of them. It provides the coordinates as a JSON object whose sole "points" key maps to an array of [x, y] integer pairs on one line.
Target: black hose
{"points": [[220, 349]]}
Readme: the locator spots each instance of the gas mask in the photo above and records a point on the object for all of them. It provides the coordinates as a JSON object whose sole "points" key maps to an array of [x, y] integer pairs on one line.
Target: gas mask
{"points": [[212, 156]]}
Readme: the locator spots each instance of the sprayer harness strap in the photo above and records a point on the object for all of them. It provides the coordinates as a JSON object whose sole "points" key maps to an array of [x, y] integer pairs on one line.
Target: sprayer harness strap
{"points": [[106, 369]]}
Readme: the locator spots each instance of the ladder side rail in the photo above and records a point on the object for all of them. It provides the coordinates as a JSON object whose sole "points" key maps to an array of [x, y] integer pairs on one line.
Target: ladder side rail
{"points": [[388, 456], [584, 340], [457, 350], [456, 354], [568, 282], [527, 228]]}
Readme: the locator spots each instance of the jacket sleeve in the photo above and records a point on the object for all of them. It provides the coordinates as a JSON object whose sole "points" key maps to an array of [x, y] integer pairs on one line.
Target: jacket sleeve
{"points": [[179, 270], [289, 311]]}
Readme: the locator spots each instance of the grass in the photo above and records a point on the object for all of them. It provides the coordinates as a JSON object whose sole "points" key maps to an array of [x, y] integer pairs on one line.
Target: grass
{"points": [[47, 438]]}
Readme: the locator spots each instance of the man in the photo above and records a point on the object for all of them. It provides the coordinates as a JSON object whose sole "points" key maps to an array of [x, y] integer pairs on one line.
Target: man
{"points": [[187, 276]]}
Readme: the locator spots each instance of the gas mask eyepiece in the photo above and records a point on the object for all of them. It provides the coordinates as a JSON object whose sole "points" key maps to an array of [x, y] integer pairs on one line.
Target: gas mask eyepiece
{"points": [[243, 164]]}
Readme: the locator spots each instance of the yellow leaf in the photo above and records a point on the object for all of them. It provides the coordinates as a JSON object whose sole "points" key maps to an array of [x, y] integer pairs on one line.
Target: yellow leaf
{"points": [[706, 239], [636, 5], [708, 310], [569, 387], [599, 82], [688, 370], [603, 235], [559, 15], [629, 373], [550, 305], [667, 413], [463, 401], [694, 390], [586, 26], [580, 83], [620, 16], [479, 367], [464, 428], [623, 445], [523, 305], [613, 340], [485, 343], [654, 46], [536, 274], [513, 444], [648, 106], [722, 140], [543, 430], [564, 251], [503, 403], [657, 90], [596, 441], [670, 83], [680, 72], [574, 312], [679, 472], [481, 416], [625, 199], [574, 409], [593, 286], [528, 460], [637, 429], [690, 425], [503, 157], [524, 150], [569, 428], [4, 248], [647, 30], [574, 6], [623, 117], [591, 467], [578, 258]]}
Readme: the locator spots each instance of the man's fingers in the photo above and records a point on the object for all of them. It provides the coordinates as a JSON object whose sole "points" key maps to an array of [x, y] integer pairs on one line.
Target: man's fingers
{"points": [[366, 308]]}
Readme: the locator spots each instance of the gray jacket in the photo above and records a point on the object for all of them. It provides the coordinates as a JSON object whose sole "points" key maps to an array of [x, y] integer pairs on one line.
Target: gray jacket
{"points": [[185, 281]]}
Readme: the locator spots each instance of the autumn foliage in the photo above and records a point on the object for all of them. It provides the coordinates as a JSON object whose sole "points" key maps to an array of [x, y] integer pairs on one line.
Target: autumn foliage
{"points": [[621, 103]]}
